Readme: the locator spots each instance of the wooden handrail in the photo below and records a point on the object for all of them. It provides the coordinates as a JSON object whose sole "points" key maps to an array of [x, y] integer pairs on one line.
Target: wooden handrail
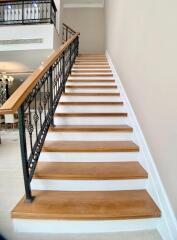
{"points": [[18, 97], [69, 28]]}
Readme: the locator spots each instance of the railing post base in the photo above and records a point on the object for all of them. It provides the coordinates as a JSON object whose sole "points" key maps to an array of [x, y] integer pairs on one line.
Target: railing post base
{"points": [[29, 200]]}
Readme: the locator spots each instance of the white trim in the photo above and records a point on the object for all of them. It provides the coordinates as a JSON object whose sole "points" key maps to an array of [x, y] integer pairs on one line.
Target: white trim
{"points": [[66, 227], [168, 224], [97, 185], [84, 5], [89, 156]]}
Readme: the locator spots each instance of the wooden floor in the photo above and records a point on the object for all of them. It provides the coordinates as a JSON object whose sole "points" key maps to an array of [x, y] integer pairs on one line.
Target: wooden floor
{"points": [[88, 205]]}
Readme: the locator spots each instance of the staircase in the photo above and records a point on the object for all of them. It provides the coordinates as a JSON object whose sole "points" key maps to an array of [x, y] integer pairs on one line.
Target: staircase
{"points": [[89, 177]]}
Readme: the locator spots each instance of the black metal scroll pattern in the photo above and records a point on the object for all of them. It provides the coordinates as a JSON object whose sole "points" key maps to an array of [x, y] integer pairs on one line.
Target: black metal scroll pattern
{"points": [[3, 95], [37, 120], [37, 112]]}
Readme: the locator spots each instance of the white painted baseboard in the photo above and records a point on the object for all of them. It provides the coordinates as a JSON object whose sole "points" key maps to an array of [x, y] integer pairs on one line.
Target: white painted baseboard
{"points": [[168, 223]]}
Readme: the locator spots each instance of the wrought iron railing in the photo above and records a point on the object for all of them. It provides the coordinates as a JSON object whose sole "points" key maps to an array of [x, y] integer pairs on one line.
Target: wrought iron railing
{"points": [[36, 101], [27, 12], [3, 94], [67, 32]]}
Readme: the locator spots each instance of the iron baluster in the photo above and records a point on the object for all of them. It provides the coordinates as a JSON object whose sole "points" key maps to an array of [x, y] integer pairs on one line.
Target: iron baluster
{"points": [[63, 71], [51, 95], [37, 107], [70, 56], [21, 115]]}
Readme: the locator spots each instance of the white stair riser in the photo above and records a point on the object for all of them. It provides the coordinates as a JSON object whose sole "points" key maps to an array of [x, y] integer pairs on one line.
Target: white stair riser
{"points": [[75, 185], [96, 109], [90, 120], [86, 76], [94, 78], [90, 83], [94, 69], [89, 157], [59, 226], [89, 136], [91, 90], [90, 99]]}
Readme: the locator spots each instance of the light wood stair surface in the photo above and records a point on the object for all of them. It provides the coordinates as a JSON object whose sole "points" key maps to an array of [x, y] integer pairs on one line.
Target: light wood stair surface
{"points": [[91, 81], [91, 74], [91, 71], [90, 146], [100, 205], [90, 171], [96, 94], [91, 66], [91, 114], [91, 86], [91, 59], [91, 103], [91, 128], [87, 63]]}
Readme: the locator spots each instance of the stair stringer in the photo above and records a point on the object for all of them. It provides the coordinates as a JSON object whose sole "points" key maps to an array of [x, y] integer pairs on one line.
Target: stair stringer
{"points": [[167, 225]]}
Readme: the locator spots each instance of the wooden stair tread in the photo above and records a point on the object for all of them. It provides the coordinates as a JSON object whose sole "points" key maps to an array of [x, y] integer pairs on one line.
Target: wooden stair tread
{"points": [[88, 128], [91, 86], [92, 63], [91, 54], [91, 57], [91, 60], [91, 114], [90, 146], [90, 81], [91, 66], [103, 205], [92, 94], [90, 171], [91, 103], [91, 71], [91, 74]]}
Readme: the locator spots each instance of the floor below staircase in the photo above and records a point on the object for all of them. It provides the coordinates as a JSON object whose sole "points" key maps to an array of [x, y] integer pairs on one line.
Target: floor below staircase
{"points": [[90, 170]]}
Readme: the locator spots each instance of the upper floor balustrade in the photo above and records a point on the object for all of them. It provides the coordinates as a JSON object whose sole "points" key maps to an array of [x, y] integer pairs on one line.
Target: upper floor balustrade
{"points": [[27, 12]]}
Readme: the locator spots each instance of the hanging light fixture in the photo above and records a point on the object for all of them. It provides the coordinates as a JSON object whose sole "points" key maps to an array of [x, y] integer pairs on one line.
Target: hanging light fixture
{"points": [[6, 79]]}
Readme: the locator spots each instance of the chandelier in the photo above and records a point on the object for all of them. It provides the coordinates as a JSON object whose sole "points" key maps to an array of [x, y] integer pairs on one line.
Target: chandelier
{"points": [[6, 79]]}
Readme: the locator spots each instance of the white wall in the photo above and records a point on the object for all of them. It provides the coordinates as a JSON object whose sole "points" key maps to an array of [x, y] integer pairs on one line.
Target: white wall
{"points": [[141, 38], [90, 23], [44, 32]]}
